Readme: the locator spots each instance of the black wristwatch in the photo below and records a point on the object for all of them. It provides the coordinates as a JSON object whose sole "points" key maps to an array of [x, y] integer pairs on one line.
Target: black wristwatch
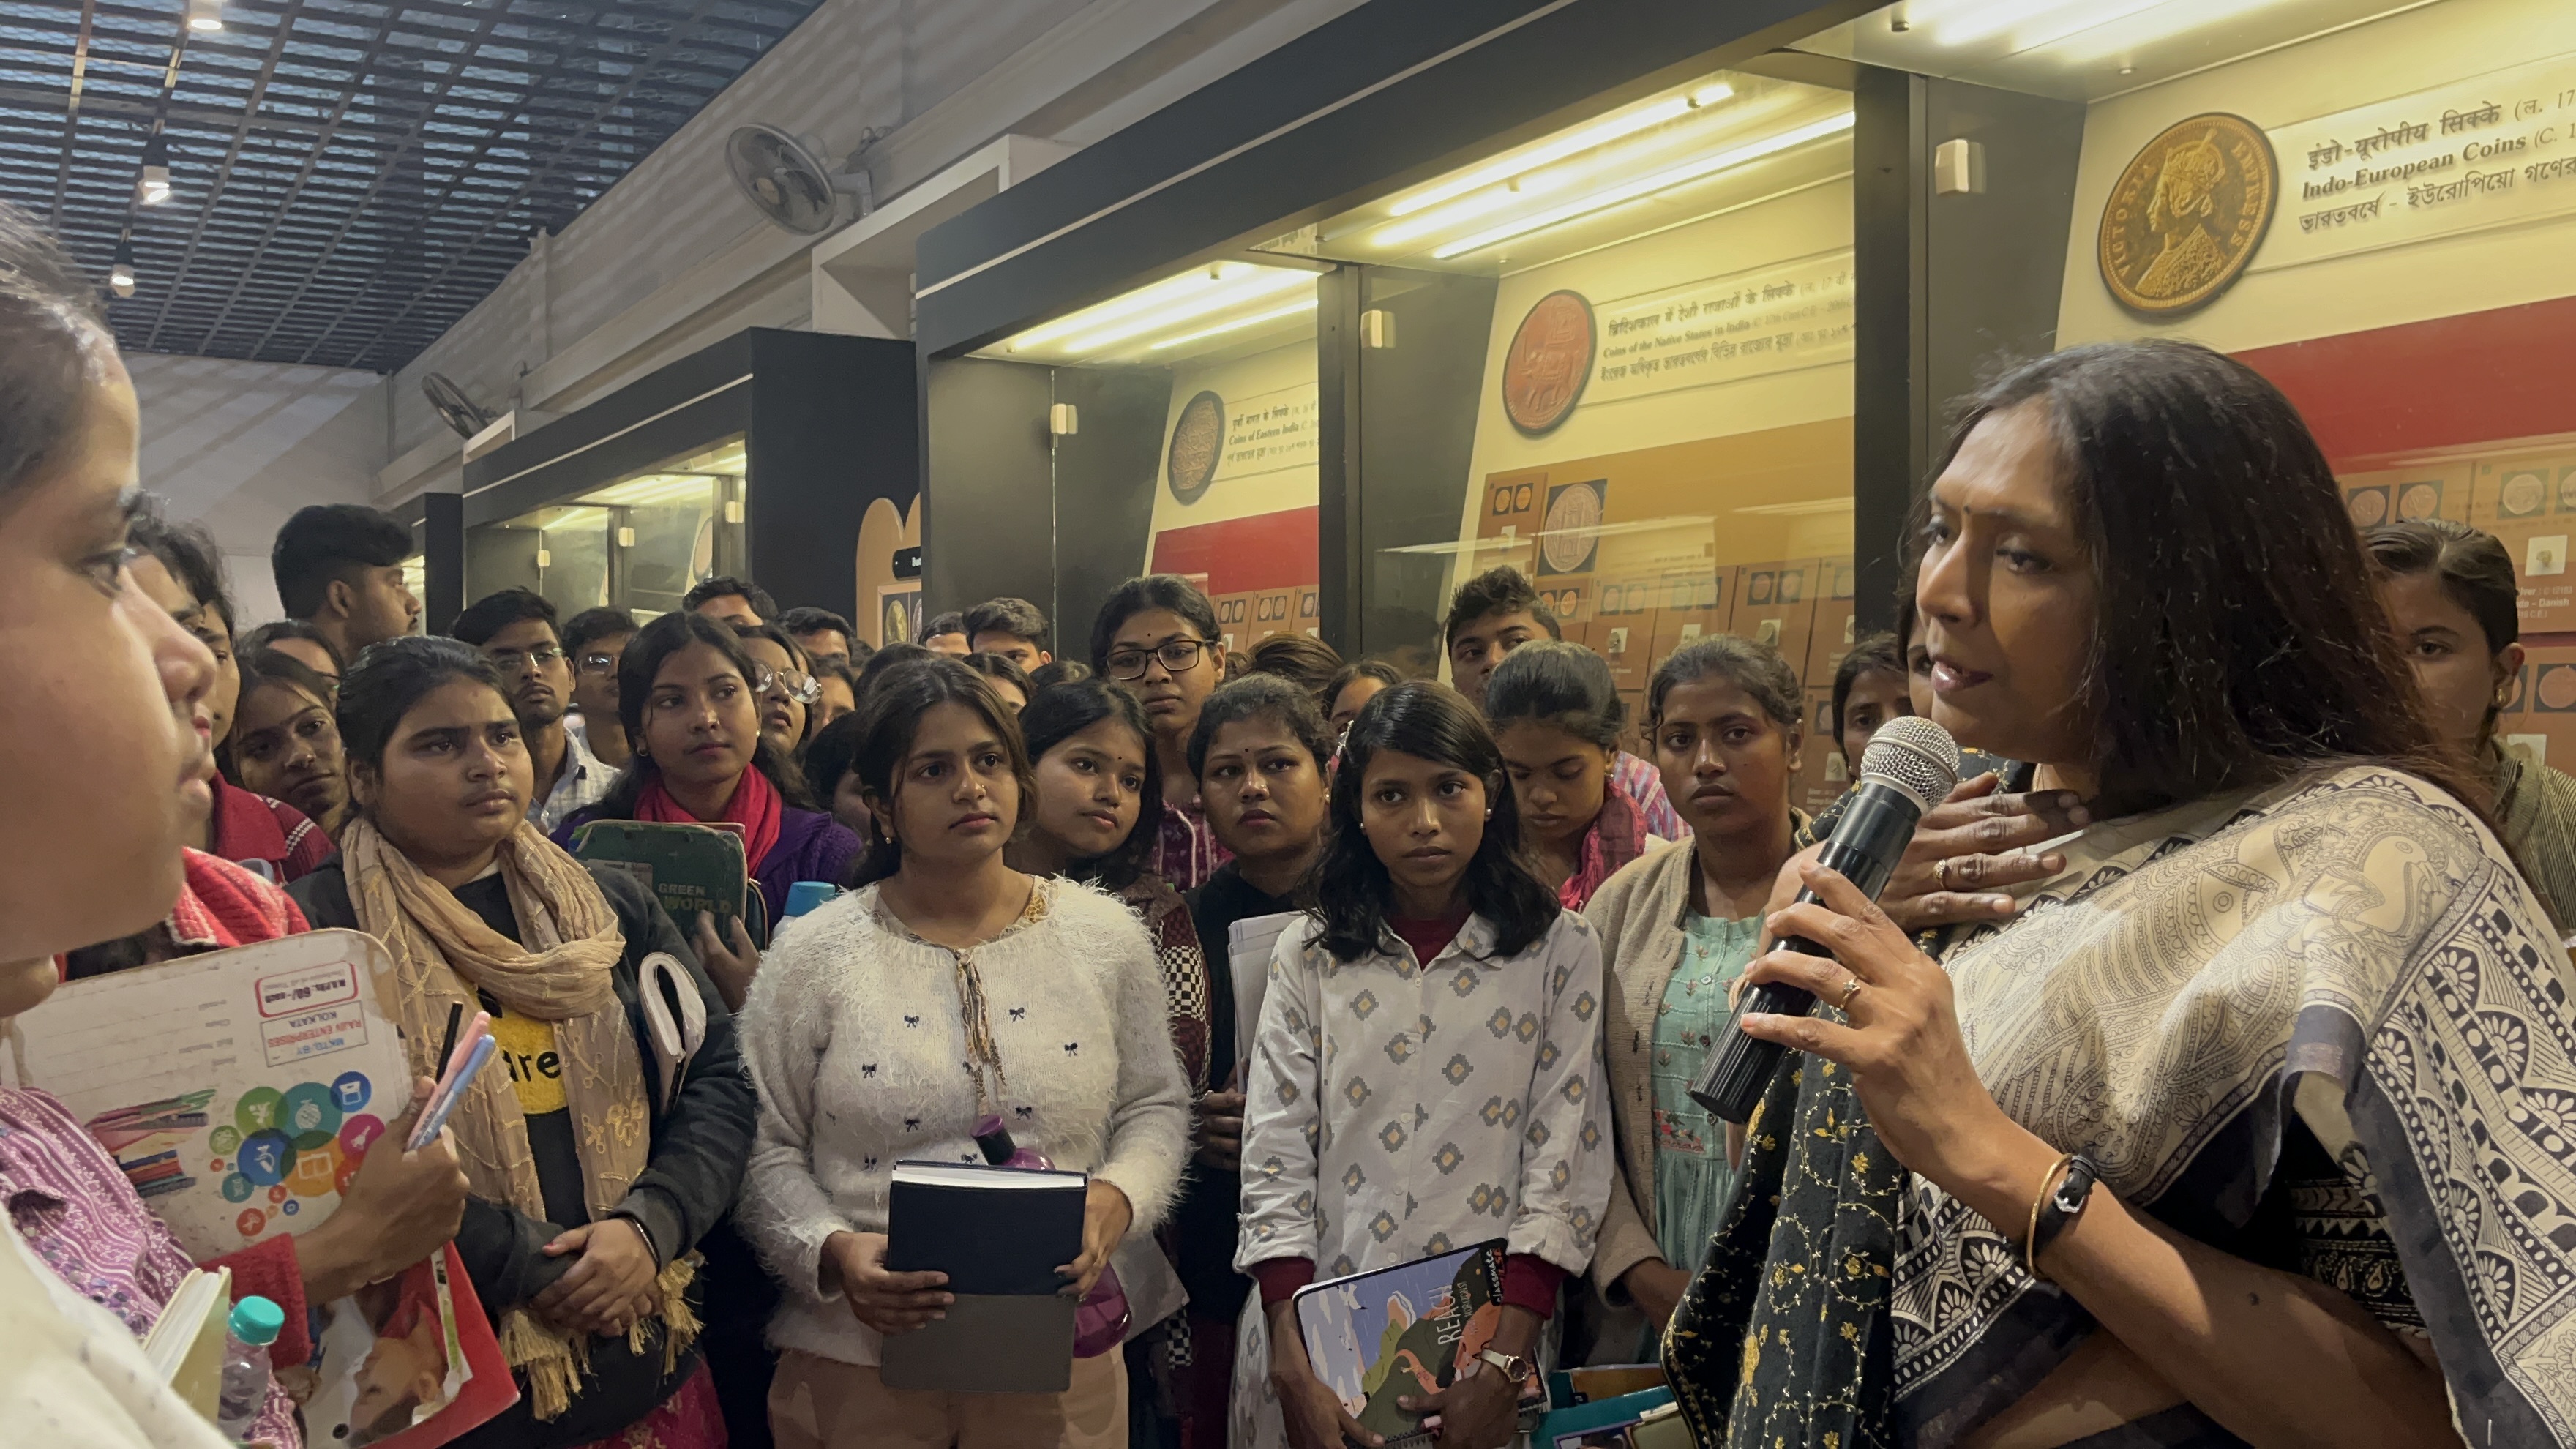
{"points": [[2061, 1208]]}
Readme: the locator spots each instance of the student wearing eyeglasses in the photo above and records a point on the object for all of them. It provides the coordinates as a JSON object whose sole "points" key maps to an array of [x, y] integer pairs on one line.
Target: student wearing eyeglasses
{"points": [[515, 629], [595, 640], [784, 680], [1157, 637]]}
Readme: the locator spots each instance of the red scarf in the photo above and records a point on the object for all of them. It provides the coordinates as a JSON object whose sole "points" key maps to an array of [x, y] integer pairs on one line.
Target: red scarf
{"points": [[222, 904], [755, 807]]}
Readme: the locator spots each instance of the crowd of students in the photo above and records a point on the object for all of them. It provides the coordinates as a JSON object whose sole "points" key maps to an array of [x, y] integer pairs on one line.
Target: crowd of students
{"points": [[2242, 946]]}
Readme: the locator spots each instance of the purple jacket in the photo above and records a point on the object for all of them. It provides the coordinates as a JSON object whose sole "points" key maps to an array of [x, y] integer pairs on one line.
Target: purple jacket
{"points": [[811, 846]]}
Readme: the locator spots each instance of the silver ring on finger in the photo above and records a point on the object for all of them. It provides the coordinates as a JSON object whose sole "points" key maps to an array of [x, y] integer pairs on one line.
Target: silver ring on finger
{"points": [[1851, 989]]}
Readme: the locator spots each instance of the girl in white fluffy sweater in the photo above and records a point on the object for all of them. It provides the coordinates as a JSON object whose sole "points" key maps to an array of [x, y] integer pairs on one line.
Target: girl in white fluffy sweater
{"points": [[883, 1025]]}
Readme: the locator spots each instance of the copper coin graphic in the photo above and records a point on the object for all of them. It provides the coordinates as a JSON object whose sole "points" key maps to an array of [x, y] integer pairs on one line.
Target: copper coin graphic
{"points": [[2187, 214], [1572, 529], [1198, 441], [2558, 687], [2368, 505], [1548, 363]]}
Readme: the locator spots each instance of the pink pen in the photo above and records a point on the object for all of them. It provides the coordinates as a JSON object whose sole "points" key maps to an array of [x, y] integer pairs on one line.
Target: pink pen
{"points": [[479, 1028]]}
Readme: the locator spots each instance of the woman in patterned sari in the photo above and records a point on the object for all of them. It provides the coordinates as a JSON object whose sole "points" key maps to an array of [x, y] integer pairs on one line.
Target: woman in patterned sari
{"points": [[2251, 1125]]}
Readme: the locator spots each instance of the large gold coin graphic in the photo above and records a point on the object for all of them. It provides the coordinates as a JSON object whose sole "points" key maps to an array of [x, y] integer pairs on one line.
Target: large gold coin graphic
{"points": [[2187, 213]]}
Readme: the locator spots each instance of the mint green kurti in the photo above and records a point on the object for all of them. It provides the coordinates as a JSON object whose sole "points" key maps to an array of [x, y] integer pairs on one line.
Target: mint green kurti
{"points": [[1692, 1177]]}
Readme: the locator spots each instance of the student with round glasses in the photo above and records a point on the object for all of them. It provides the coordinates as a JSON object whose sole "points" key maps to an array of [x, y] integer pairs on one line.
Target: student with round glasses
{"points": [[784, 680], [1157, 637], [596, 640]]}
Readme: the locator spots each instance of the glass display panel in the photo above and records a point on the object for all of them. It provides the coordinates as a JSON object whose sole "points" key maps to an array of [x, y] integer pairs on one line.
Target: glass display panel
{"points": [[415, 570], [1619, 359], [1192, 450], [639, 544]]}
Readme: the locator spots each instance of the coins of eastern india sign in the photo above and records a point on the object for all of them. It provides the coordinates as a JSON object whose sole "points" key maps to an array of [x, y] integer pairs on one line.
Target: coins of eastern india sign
{"points": [[1198, 441], [2187, 213], [1549, 361]]}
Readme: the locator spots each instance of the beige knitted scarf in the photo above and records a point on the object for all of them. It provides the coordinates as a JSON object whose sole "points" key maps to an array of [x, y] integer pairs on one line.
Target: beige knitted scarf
{"points": [[445, 955]]}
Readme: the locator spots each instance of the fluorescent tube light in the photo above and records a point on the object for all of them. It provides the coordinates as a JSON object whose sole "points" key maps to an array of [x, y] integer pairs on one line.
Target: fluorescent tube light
{"points": [[1237, 325], [1215, 299], [1664, 180], [1560, 148]]}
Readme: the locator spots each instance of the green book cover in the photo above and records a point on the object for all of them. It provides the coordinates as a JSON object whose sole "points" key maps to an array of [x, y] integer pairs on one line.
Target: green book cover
{"points": [[690, 868]]}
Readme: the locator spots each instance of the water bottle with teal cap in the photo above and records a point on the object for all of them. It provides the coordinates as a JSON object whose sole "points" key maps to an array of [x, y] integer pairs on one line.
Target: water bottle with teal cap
{"points": [[254, 1325]]}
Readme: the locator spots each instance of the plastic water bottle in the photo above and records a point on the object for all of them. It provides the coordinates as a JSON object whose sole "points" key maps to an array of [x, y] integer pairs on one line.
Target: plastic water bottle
{"points": [[252, 1328], [805, 895]]}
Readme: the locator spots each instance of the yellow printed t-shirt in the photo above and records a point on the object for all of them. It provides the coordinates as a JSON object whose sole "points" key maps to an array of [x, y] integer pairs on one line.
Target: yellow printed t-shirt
{"points": [[527, 1046]]}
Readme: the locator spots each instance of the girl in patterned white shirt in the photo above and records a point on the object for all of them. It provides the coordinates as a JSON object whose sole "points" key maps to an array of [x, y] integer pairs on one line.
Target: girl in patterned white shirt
{"points": [[1427, 1072]]}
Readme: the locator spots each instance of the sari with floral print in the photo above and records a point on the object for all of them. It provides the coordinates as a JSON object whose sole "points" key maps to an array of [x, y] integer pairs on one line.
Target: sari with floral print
{"points": [[2323, 1026]]}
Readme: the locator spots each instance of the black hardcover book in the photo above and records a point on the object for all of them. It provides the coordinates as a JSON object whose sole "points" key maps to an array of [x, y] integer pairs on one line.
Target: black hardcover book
{"points": [[999, 1233]]}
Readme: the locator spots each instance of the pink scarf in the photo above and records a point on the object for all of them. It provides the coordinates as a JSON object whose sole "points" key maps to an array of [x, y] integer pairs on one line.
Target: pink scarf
{"points": [[755, 807], [1617, 836]]}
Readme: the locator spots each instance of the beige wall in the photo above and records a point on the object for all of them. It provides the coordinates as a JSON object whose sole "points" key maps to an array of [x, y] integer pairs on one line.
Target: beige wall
{"points": [[239, 446]]}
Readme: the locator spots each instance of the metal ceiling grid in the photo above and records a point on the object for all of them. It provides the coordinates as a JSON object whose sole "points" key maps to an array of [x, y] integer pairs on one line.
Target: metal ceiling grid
{"points": [[347, 178]]}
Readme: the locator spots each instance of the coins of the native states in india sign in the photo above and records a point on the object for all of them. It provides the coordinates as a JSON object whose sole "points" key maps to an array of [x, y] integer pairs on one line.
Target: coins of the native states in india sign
{"points": [[2187, 213], [1549, 362]]}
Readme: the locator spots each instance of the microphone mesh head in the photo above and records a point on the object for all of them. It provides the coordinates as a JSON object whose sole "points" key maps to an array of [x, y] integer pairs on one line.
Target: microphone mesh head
{"points": [[1915, 756]]}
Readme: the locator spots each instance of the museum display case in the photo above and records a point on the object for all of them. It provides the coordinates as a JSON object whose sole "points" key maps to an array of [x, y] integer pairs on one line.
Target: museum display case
{"points": [[1669, 311]]}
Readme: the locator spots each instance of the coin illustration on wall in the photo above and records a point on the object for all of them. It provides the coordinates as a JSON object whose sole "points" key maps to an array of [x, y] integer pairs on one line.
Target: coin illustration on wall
{"points": [[2558, 688], [2187, 214], [2368, 506], [2523, 494], [1548, 363], [1570, 536], [2419, 500], [1198, 441]]}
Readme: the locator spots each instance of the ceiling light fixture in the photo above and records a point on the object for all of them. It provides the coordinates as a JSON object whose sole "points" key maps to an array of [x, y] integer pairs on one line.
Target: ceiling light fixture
{"points": [[1591, 170], [1664, 180], [120, 273], [1204, 305], [1561, 147], [1981, 22], [1143, 299], [1425, 223], [205, 16], [1237, 325], [154, 188], [2132, 27]]}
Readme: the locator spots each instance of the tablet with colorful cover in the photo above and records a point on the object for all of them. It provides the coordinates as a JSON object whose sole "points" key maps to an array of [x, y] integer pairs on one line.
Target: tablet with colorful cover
{"points": [[1374, 1337]]}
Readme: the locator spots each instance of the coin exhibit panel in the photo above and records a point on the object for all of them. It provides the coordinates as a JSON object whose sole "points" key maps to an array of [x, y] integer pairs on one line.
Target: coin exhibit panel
{"points": [[1183, 424], [1618, 357]]}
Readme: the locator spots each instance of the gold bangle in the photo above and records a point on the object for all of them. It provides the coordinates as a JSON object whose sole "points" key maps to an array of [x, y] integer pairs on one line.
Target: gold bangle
{"points": [[2030, 1239]]}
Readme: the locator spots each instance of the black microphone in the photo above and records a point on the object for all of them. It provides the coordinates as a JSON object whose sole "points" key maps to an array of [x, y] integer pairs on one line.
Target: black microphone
{"points": [[1911, 763]]}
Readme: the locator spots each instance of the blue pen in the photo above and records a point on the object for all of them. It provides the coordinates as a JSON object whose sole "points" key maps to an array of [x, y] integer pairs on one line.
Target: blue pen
{"points": [[439, 1111]]}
